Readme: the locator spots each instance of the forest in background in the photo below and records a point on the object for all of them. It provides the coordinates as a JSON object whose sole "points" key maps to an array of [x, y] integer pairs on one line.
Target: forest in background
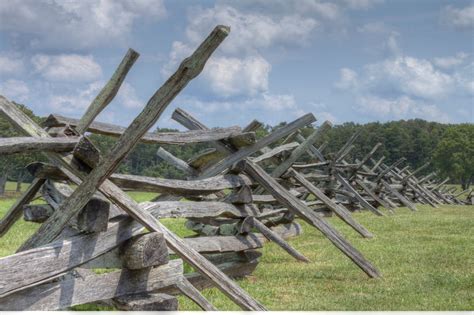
{"points": [[449, 148]]}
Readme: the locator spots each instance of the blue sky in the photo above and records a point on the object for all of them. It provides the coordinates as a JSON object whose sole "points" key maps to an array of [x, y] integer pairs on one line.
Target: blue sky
{"points": [[347, 60]]}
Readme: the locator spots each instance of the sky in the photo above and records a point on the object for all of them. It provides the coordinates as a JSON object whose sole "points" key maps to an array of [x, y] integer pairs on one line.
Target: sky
{"points": [[347, 60]]}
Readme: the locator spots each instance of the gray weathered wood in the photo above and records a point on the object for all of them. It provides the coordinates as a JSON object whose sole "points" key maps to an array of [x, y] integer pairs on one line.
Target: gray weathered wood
{"points": [[29, 145], [275, 151], [146, 302], [399, 196], [377, 163], [88, 287], [302, 148], [26, 125], [189, 122], [56, 193], [201, 209], [241, 196], [188, 70], [176, 162], [16, 211], [233, 133], [93, 217], [312, 150], [37, 213], [184, 187], [153, 184], [108, 92], [205, 244], [389, 169], [145, 251], [299, 208], [361, 199], [338, 210], [342, 151], [245, 152], [372, 194], [205, 157]]}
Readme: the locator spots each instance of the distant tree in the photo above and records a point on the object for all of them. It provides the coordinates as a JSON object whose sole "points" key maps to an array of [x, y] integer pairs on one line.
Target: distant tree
{"points": [[454, 155]]}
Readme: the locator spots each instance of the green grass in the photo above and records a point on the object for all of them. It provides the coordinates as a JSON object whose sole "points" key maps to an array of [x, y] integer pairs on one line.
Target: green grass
{"points": [[426, 259]]}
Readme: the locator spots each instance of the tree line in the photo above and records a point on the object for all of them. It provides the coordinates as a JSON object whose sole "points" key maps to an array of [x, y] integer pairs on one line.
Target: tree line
{"points": [[449, 148]]}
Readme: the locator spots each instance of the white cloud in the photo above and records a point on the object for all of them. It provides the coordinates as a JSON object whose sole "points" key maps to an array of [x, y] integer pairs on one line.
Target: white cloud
{"points": [[373, 28], [459, 17], [76, 102], [277, 102], [234, 76], [327, 10], [128, 97], [399, 108], [15, 90], [348, 79], [450, 62], [10, 65], [250, 31], [67, 67], [237, 68], [362, 4], [75, 24], [406, 87], [416, 77]]}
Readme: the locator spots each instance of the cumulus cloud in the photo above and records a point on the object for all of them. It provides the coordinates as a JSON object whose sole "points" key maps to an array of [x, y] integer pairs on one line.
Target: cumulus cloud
{"points": [[452, 61], [362, 4], [10, 66], [250, 31], [75, 102], [406, 87], [127, 95], [238, 69], [409, 75], [64, 67], [348, 79], [15, 90], [234, 76], [75, 24], [373, 28], [459, 17], [400, 107]]}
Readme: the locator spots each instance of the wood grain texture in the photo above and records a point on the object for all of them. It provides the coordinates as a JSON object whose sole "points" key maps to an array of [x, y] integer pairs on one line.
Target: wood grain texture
{"points": [[87, 287], [29, 145], [233, 133], [146, 302], [145, 251]]}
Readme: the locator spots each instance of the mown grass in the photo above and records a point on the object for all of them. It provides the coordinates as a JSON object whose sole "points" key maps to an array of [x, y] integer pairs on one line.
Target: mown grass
{"points": [[426, 258]]}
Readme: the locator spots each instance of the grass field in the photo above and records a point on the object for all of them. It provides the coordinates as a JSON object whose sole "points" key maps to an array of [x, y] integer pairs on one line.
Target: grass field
{"points": [[426, 259]]}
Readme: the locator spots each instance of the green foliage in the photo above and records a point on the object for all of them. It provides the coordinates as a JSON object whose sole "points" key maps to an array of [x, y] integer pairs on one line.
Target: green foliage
{"points": [[414, 139], [454, 155]]}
